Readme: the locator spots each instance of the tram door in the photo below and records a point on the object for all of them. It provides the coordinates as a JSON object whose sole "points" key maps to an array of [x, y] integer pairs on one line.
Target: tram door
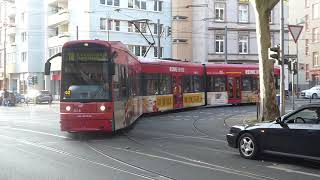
{"points": [[234, 90], [177, 92]]}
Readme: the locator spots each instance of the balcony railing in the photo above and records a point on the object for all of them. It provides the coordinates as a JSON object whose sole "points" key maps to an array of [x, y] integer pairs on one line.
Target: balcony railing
{"points": [[59, 39], [59, 18]]}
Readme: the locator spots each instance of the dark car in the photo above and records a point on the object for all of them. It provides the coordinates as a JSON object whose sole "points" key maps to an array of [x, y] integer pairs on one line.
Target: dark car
{"points": [[10, 101], [43, 96], [294, 134]]}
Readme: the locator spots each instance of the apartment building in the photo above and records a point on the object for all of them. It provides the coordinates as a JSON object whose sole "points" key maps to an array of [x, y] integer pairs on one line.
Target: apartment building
{"points": [[297, 16], [22, 41], [312, 40], [212, 21], [107, 20]]}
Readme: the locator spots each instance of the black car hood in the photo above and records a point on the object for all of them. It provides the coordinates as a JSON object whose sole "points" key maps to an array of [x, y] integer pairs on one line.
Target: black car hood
{"points": [[253, 126]]}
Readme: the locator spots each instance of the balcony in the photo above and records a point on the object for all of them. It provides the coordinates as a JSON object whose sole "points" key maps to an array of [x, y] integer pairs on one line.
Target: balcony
{"points": [[59, 18], [11, 11], [59, 39], [52, 2], [11, 30], [11, 68]]}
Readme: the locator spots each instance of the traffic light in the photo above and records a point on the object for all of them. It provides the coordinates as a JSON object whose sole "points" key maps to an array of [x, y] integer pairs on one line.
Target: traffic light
{"points": [[35, 80], [294, 67], [32, 80], [274, 53], [169, 31]]}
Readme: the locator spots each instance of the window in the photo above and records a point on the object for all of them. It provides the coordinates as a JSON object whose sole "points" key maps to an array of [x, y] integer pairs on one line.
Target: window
{"points": [[102, 1], [155, 28], [151, 84], [23, 36], [309, 115], [156, 52], [307, 72], [22, 18], [307, 51], [165, 84], [131, 27], [216, 84], [130, 3], [113, 25], [137, 50], [1, 65], [306, 3], [219, 11], [157, 5], [243, 44], [306, 20], [219, 43], [315, 35], [192, 84], [271, 17], [113, 2], [243, 13], [24, 56], [315, 11], [140, 4], [103, 22], [315, 59], [249, 84]]}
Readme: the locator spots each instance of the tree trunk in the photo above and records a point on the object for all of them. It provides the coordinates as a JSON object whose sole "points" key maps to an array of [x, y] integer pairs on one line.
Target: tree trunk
{"points": [[268, 107]]}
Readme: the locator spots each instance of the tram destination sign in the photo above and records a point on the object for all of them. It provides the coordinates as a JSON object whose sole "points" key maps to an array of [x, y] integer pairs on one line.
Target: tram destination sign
{"points": [[290, 56]]}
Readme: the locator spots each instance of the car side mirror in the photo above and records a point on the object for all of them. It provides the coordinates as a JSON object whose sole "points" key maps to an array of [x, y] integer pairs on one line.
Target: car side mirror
{"points": [[279, 121], [47, 68]]}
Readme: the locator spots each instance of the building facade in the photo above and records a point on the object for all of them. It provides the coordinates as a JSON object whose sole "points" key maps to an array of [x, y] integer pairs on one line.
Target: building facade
{"points": [[22, 41], [312, 40], [222, 30], [105, 20]]}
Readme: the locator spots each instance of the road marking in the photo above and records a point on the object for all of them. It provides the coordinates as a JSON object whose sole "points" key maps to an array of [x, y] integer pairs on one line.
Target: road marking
{"points": [[197, 163], [75, 156], [293, 171], [36, 132]]}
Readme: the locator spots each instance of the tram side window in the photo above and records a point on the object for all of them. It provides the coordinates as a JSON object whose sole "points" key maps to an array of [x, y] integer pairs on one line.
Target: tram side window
{"points": [[165, 84], [192, 84], [187, 84], [120, 83], [197, 83], [150, 84], [216, 84], [247, 84]]}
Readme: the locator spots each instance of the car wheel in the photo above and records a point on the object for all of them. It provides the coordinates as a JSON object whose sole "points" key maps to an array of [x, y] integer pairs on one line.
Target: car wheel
{"points": [[314, 96], [22, 100], [248, 146]]}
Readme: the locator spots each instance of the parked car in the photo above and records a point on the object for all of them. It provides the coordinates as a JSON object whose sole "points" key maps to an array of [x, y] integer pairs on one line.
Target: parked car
{"points": [[19, 97], [294, 134], [11, 100], [39, 96], [313, 92]]}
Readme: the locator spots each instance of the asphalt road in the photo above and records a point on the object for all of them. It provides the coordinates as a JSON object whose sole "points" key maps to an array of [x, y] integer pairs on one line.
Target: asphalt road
{"points": [[187, 145]]}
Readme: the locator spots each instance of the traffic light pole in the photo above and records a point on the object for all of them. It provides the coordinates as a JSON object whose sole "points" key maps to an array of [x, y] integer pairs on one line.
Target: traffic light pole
{"points": [[282, 93], [292, 87]]}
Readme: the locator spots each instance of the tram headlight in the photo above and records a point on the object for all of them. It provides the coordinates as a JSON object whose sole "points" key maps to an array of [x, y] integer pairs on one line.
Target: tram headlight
{"points": [[68, 108], [102, 108]]}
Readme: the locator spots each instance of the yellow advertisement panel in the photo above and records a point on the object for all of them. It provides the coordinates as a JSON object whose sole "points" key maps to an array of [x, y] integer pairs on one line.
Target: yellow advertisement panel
{"points": [[165, 102], [157, 103], [193, 99]]}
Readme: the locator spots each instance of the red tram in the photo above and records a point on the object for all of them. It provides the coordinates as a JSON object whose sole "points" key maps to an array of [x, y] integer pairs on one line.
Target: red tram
{"points": [[104, 87]]}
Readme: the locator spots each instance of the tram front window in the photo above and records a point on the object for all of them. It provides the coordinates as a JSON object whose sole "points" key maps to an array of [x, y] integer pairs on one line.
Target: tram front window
{"points": [[87, 81]]}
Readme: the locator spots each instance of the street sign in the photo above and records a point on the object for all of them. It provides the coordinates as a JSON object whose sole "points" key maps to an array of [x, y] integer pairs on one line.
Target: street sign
{"points": [[295, 31], [290, 56]]}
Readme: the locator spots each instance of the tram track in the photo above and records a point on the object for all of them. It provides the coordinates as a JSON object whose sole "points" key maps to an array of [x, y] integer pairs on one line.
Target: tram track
{"points": [[189, 161], [78, 157]]}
